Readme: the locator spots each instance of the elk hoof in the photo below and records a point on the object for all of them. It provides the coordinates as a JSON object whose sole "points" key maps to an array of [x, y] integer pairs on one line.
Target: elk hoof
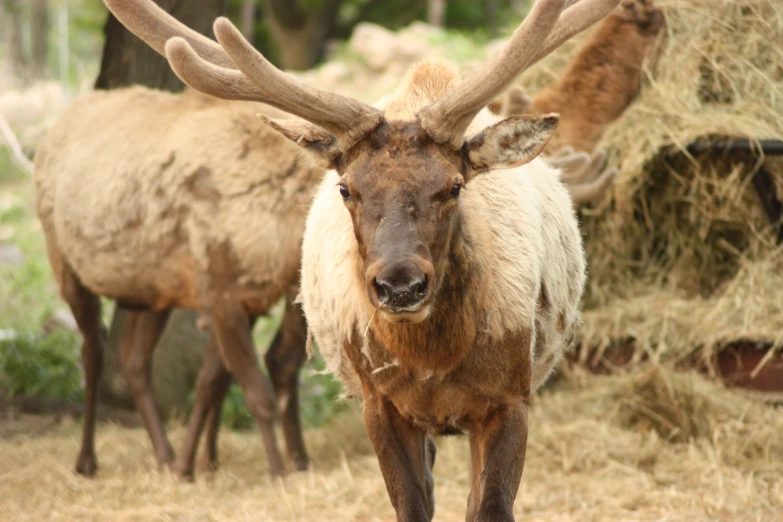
{"points": [[277, 471], [87, 464], [494, 514], [186, 476], [301, 464], [183, 472], [208, 463]]}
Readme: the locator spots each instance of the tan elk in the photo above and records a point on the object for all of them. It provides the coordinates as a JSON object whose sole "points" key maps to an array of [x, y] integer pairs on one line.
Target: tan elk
{"points": [[598, 84], [442, 262], [159, 200]]}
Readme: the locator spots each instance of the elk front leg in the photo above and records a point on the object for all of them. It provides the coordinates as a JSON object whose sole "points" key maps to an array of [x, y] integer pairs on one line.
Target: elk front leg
{"points": [[284, 359], [137, 342], [86, 308], [406, 456], [233, 329], [213, 381], [498, 448]]}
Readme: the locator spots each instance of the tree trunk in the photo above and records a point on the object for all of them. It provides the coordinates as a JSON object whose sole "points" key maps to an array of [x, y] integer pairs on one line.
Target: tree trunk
{"points": [[13, 38], [491, 7], [436, 10], [127, 60], [40, 22], [299, 36], [178, 355], [248, 19]]}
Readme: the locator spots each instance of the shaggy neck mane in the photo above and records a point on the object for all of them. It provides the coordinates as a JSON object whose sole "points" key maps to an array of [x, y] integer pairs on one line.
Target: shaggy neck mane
{"points": [[440, 342]]}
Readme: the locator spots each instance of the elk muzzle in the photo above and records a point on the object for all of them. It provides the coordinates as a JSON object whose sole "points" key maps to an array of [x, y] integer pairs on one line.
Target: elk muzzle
{"points": [[400, 288]]}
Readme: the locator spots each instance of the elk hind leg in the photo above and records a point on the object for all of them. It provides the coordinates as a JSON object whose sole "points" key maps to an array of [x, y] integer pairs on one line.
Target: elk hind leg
{"points": [[138, 338], [211, 386], [284, 359], [233, 329]]}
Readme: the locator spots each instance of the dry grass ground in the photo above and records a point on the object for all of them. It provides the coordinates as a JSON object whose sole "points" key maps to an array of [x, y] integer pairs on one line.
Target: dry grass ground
{"points": [[601, 448]]}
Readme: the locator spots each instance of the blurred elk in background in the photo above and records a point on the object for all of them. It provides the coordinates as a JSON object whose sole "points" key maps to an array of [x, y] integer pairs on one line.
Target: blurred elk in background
{"points": [[598, 84], [163, 221]]}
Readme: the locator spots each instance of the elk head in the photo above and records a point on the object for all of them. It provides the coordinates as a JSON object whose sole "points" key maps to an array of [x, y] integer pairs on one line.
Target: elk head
{"points": [[400, 180]]}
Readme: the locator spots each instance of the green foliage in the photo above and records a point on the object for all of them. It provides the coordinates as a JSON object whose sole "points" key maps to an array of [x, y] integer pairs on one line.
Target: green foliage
{"points": [[234, 413], [27, 292], [9, 172], [320, 394], [41, 366]]}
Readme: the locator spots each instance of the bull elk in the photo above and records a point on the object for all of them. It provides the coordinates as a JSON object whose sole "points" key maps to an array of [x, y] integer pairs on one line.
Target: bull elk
{"points": [[442, 264], [159, 200]]}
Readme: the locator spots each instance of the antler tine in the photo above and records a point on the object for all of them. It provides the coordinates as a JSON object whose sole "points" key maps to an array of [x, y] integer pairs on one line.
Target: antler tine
{"points": [[148, 21], [574, 20], [209, 78], [348, 119], [222, 82], [446, 119]]}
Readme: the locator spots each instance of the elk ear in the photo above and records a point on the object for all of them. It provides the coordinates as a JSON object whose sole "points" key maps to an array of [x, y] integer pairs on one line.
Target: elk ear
{"points": [[321, 144], [509, 143]]}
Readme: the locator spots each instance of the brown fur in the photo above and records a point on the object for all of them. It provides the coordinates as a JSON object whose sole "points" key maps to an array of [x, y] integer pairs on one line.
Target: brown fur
{"points": [[161, 200], [603, 77]]}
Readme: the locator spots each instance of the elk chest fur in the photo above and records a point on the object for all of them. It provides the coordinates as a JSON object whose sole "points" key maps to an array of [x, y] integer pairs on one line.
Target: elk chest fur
{"points": [[455, 390]]}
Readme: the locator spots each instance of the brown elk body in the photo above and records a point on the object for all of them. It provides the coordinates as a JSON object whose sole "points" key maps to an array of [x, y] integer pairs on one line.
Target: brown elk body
{"points": [[442, 261], [158, 201]]}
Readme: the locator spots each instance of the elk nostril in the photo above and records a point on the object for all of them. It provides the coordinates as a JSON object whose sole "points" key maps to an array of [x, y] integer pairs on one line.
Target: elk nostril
{"points": [[383, 289], [419, 288]]}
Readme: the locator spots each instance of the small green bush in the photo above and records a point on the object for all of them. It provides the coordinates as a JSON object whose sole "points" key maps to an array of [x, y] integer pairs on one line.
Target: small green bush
{"points": [[41, 366]]}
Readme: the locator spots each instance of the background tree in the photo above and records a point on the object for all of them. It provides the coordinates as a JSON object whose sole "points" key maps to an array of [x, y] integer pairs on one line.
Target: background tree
{"points": [[12, 18], [126, 61], [40, 35], [299, 32], [435, 12]]}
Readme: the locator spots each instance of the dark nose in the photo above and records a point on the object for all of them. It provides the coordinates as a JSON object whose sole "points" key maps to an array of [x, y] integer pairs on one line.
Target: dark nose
{"points": [[401, 288]]}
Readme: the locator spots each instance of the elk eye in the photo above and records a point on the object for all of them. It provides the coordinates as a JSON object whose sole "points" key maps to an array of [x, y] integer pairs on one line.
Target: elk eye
{"points": [[344, 192], [455, 190]]}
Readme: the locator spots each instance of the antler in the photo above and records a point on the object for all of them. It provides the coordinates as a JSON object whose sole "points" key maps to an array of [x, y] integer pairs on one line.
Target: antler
{"points": [[542, 31], [212, 68], [148, 21]]}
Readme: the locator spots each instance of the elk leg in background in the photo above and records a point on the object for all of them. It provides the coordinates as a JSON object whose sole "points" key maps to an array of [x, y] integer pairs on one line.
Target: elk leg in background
{"points": [[211, 387], [232, 327], [284, 360], [209, 457], [86, 308], [137, 342]]}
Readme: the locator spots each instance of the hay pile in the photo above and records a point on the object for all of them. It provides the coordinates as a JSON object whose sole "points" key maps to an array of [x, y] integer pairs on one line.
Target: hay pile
{"points": [[682, 257], [652, 446]]}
